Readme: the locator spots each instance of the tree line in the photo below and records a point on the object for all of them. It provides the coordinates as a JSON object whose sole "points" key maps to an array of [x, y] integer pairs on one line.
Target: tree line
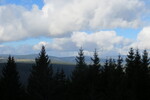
{"points": [[112, 80]]}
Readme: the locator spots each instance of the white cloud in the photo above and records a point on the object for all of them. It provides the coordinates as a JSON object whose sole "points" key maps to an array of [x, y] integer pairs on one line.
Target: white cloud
{"points": [[143, 39], [59, 17], [98, 14], [39, 45], [103, 41]]}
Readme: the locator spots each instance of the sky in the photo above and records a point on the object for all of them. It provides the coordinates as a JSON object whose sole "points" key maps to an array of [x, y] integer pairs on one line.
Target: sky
{"points": [[64, 26]]}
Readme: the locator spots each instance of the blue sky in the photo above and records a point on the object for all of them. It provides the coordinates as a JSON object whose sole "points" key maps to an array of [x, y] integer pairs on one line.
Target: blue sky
{"points": [[26, 3], [66, 25]]}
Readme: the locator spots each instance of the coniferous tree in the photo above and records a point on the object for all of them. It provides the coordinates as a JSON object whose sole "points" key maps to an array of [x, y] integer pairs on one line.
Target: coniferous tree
{"points": [[96, 60], [94, 69], [119, 69], [119, 65], [145, 61], [144, 80], [94, 77], [119, 76], [108, 79], [137, 77], [111, 79], [130, 62], [11, 88], [41, 80], [81, 67], [79, 78], [129, 82]]}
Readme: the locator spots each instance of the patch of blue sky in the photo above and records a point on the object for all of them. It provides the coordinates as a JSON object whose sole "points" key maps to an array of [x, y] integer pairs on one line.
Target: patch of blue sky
{"points": [[146, 19], [30, 41], [26, 3], [129, 33]]}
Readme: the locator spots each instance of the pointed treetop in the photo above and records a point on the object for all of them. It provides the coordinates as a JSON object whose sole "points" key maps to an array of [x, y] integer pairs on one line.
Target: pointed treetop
{"points": [[95, 59], [80, 59], [145, 59], [130, 56], [119, 61]]}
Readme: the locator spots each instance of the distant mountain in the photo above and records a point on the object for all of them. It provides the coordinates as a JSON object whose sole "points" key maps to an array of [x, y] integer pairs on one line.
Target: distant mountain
{"points": [[31, 58], [57, 60]]}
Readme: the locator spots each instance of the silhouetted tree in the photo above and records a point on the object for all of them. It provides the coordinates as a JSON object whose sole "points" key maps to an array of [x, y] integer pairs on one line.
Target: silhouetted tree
{"points": [[40, 81], [144, 79], [119, 76], [94, 77], [137, 76], [79, 78], [130, 76], [11, 88], [145, 61], [81, 67], [108, 79], [130, 63]]}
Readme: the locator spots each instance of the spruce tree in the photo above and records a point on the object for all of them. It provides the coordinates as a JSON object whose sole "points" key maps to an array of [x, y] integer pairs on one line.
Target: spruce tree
{"points": [[81, 67], [111, 79], [40, 80], [130, 62], [94, 68], [130, 80], [119, 69], [144, 78], [119, 64], [145, 61], [119, 78], [79, 78], [130, 66], [137, 77], [95, 59], [108, 80], [11, 88], [80, 61], [94, 77]]}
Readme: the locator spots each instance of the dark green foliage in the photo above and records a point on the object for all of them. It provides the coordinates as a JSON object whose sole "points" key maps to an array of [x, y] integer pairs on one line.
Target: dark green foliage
{"points": [[40, 81], [145, 61], [130, 63], [11, 88], [119, 69], [96, 61], [79, 78], [94, 69], [144, 79], [93, 82], [81, 68], [131, 77], [119, 76], [137, 78], [80, 61]]}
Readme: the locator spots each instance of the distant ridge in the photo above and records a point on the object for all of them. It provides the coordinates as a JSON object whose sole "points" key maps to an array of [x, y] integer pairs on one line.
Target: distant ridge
{"points": [[57, 60]]}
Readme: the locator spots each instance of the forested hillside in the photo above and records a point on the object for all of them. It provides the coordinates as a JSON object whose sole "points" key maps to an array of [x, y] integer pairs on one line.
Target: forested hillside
{"points": [[114, 79]]}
